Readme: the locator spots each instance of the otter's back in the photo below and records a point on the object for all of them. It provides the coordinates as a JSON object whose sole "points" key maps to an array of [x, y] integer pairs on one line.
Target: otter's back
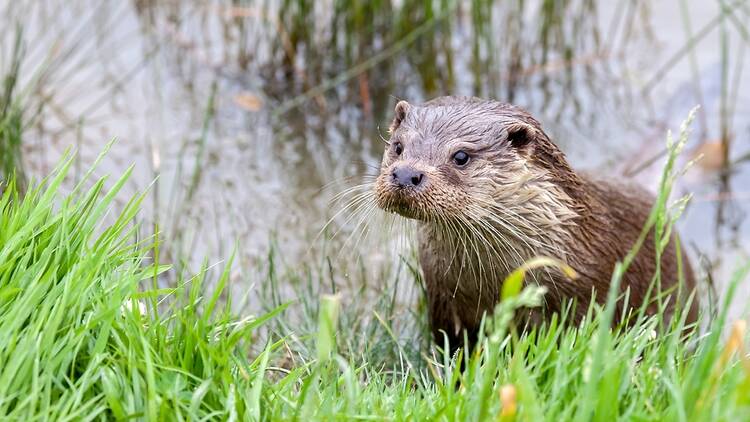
{"points": [[627, 207]]}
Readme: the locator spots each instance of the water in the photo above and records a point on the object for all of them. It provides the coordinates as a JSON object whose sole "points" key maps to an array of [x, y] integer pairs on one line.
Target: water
{"points": [[251, 116]]}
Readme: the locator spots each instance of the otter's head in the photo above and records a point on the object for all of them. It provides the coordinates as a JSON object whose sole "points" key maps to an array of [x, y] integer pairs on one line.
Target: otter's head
{"points": [[459, 158]]}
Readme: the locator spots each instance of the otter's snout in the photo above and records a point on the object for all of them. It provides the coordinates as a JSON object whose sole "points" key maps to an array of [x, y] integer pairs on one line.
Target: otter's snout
{"points": [[406, 176]]}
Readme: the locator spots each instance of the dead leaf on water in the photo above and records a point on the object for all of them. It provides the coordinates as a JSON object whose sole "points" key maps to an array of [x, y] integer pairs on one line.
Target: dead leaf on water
{"points": [[711, 155], [244, 12], [248, 101]]}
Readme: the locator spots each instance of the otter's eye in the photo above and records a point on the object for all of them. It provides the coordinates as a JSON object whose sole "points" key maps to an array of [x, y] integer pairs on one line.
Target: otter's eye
{"points": [[398, 148], [460, 158]]}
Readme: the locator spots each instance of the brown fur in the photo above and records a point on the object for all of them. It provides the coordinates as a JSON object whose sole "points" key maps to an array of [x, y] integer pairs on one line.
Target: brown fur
{"points": [[516, 198]]}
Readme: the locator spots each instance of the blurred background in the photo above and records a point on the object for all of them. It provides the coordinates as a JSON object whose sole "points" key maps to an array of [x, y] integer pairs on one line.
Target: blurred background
{"points": [[244, 119]]}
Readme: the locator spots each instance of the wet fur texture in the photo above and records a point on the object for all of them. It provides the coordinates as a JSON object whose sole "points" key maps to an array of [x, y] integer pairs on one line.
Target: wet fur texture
{"points": [[515, 199]]}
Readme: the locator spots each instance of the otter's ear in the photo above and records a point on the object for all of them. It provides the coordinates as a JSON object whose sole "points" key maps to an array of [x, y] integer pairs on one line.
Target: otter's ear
{"points": [[520, 135], [400, 114]]}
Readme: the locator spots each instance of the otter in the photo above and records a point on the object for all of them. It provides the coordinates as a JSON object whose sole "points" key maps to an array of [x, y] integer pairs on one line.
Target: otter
{"points": [[490, 190]]}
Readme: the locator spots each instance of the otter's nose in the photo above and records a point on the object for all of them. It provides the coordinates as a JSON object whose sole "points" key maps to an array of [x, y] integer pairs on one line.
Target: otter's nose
{"points": [[407, 176]]}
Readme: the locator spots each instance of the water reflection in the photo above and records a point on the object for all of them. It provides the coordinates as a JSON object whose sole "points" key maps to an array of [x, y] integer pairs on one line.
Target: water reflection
{"points": [[245, 111]]}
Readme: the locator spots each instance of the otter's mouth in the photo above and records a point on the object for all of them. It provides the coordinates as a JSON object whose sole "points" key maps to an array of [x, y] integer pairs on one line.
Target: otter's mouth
{"points": [[402, 201], [411, 191]]}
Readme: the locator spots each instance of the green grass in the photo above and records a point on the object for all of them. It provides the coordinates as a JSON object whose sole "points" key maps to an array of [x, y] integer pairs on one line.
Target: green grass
{"points": [[89, 332]]}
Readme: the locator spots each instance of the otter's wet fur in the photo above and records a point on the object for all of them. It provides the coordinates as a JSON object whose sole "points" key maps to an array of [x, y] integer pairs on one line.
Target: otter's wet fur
{"points": [[515, 197]]}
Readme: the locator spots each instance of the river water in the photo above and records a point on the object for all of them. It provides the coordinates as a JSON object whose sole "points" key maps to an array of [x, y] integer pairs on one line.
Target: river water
{"points": [[244, 119]]}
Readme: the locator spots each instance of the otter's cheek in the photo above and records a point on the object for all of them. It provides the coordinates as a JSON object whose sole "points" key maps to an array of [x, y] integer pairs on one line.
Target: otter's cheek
{"points": [[381, 192]]}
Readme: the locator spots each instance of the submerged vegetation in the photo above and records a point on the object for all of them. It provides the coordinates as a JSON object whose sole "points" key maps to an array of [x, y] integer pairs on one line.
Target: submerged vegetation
{"points": [[88, 332], [11, 118]]}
